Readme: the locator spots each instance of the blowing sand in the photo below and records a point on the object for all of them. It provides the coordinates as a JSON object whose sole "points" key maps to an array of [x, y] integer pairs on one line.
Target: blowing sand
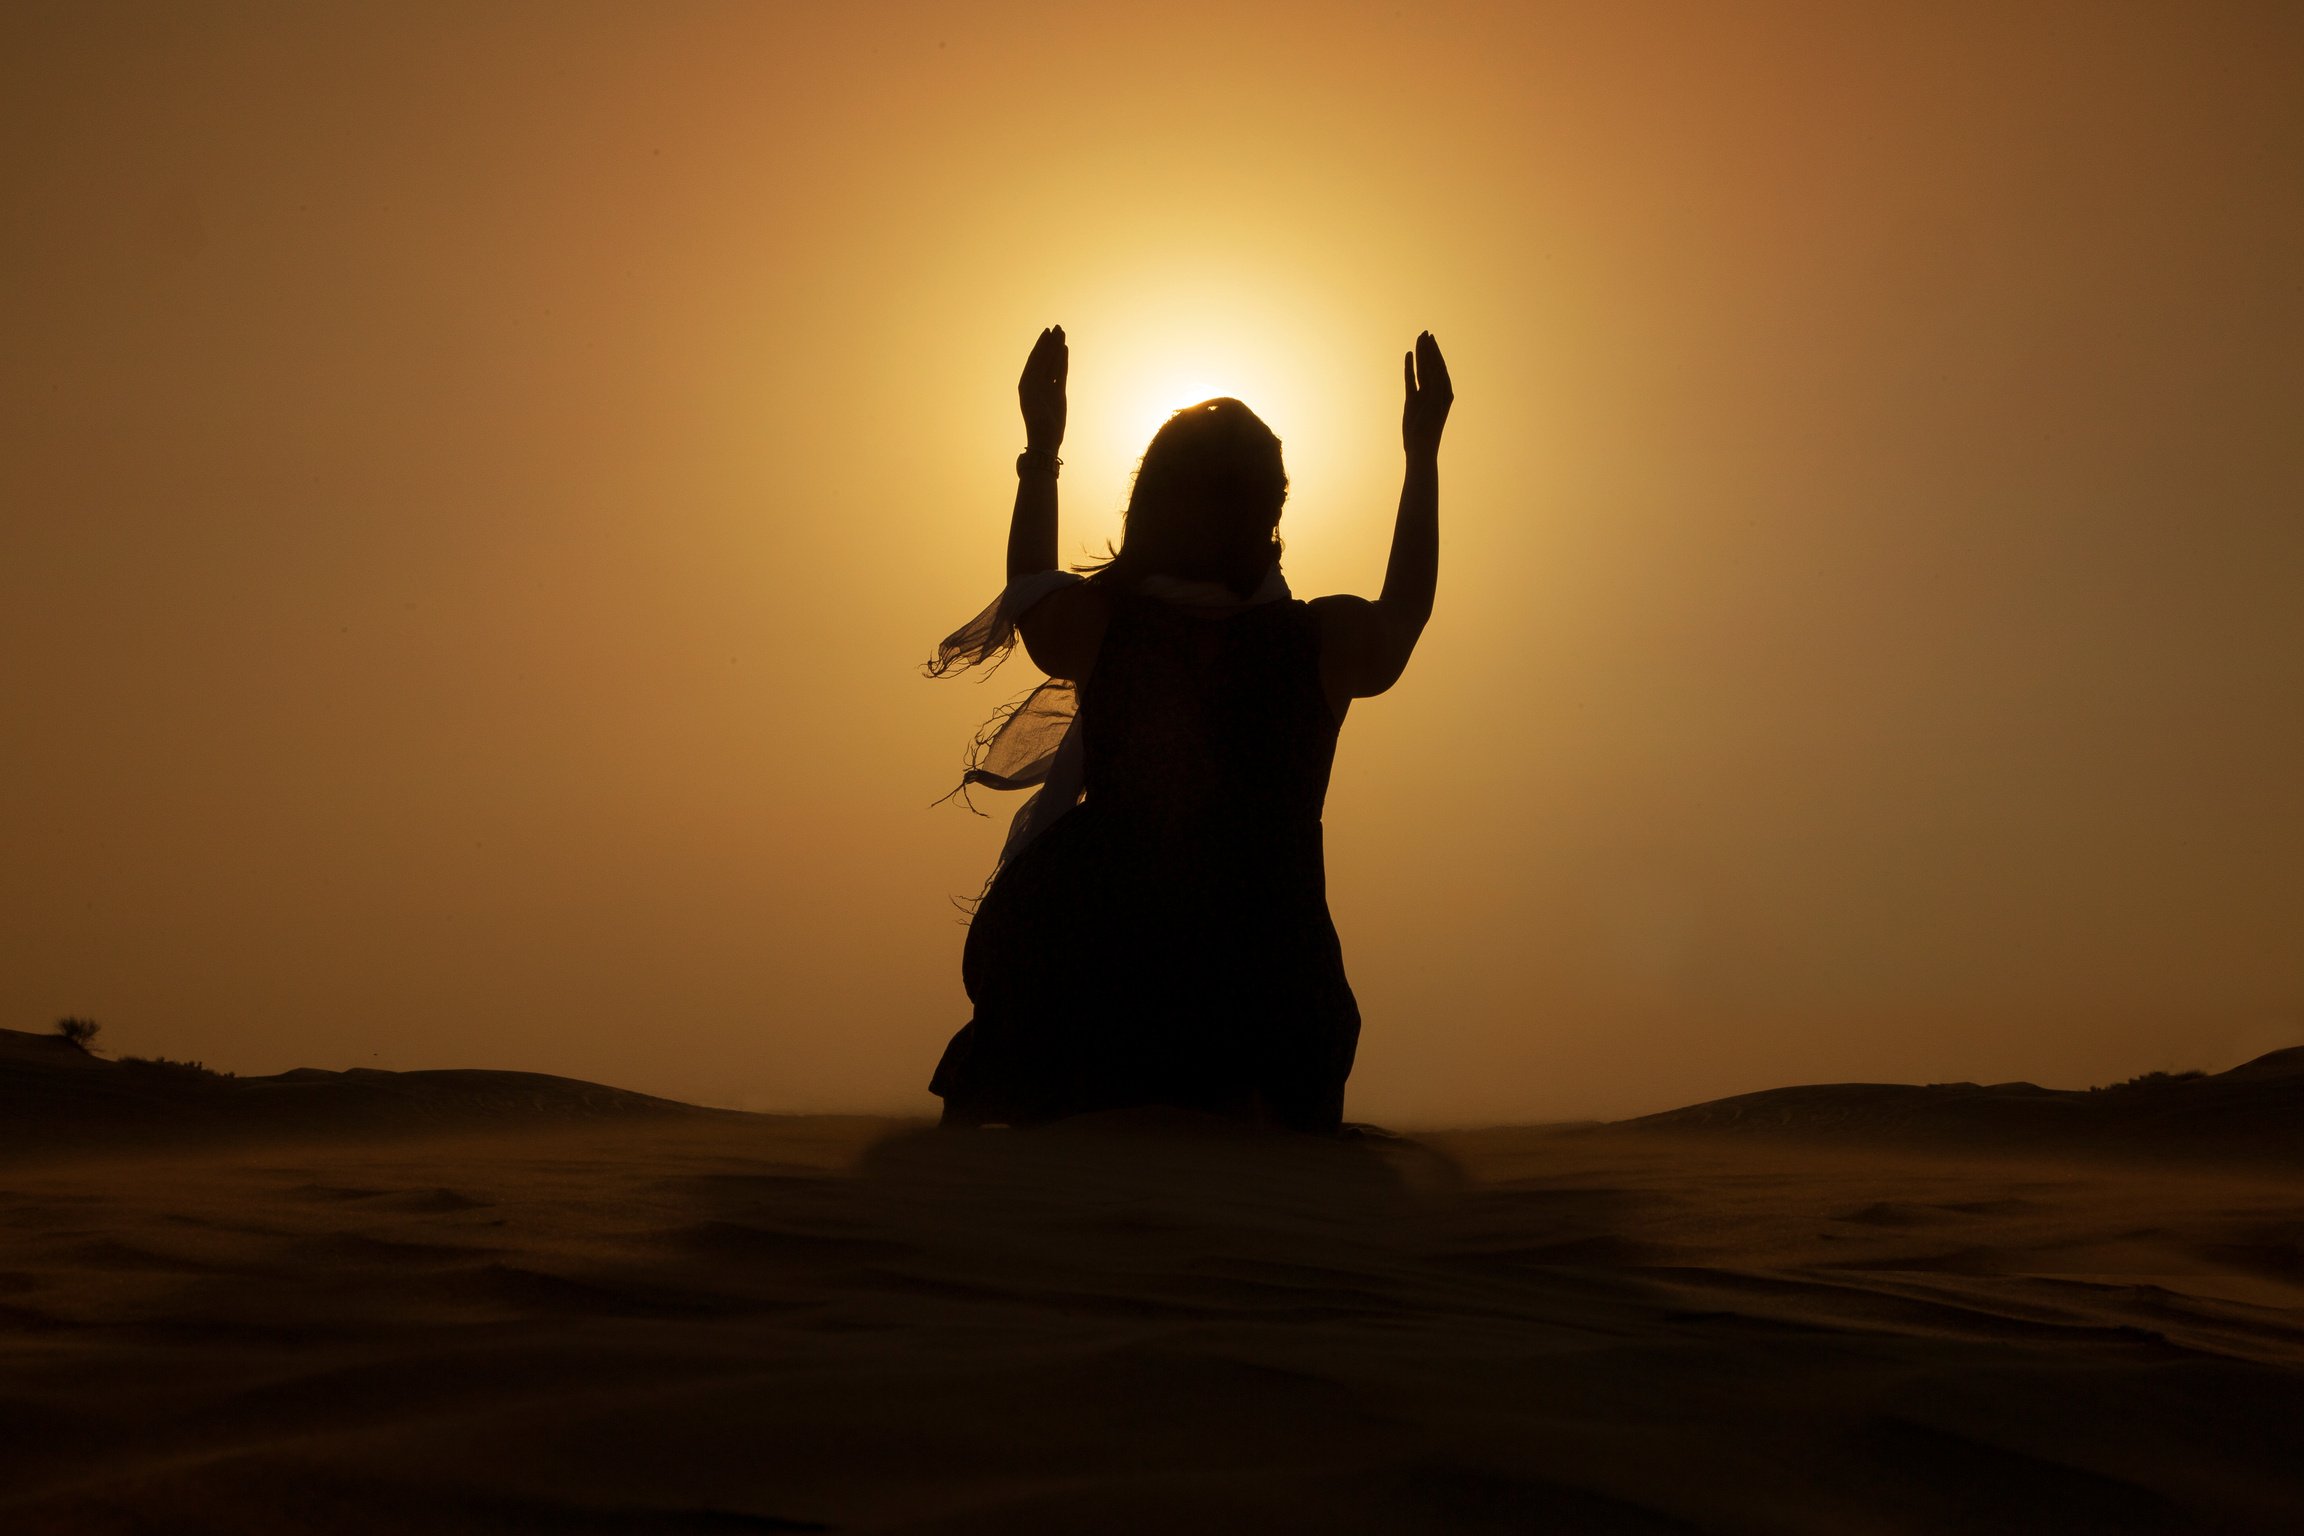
{"points": [[726, 1325]]}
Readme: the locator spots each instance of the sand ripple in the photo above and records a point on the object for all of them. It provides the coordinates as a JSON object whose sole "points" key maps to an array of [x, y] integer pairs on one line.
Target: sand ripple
{"points": [[1142, 1326]]}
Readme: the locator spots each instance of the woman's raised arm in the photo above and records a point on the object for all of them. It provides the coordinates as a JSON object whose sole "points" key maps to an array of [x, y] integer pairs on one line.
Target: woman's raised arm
{"points": [[1040, 391], [1064, 629], [1365, 646], [1414, 569]]}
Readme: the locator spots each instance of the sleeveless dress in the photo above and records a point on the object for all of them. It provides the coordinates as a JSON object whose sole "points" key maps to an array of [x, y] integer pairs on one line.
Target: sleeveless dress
{"points": [[1167, 942]]}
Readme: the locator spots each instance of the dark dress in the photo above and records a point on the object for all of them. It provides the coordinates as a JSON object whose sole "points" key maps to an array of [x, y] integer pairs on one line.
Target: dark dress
{"points": [[1168, 941]]}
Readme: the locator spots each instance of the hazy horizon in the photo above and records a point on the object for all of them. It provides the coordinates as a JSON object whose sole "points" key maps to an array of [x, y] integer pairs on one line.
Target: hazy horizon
{"points": [[479, 483]]}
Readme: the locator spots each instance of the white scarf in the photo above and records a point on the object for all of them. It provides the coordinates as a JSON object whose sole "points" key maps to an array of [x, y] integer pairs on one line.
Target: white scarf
{"points": [[1036, 739]]}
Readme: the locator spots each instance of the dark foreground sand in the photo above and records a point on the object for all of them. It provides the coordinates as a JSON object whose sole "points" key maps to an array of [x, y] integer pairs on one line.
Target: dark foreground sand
{"points": [[744, 1325]]}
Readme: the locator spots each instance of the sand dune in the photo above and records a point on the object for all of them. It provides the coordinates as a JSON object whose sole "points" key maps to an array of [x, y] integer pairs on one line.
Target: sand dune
{"points": [[57, 1099], [2253, 1113], [664, 1323]]}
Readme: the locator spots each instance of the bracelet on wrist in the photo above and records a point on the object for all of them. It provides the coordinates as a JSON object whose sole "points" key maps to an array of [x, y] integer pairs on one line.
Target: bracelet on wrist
{"points": [[1039, 461]]}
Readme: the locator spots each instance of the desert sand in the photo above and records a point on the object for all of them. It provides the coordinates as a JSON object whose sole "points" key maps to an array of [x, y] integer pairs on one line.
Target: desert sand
{"points": [[602, 1320]]}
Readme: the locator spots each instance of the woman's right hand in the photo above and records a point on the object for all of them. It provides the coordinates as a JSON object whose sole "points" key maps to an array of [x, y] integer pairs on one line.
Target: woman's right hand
{"points": [[1041, 390]]}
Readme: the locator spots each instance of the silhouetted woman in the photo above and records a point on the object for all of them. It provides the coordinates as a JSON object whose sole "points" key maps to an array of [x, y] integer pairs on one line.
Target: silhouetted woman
{"points": [[1157, 931]]}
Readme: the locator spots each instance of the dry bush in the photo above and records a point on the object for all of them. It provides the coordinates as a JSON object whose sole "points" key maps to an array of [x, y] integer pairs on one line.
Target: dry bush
{"points": [[80, 1032]]}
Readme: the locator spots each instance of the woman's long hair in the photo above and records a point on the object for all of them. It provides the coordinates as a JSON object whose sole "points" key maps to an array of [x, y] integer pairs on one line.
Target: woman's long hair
{"points": [[1206, 504]]}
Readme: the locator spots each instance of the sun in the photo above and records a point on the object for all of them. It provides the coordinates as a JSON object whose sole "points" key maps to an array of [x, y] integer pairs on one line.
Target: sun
{"points": [[1173, 335], [1155, 338], [1151, 382], [1143, 379]]}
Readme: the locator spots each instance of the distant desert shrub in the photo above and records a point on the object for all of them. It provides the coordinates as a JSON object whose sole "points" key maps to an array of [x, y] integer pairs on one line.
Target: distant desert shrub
{"points": [[80, 1032], [165, 1064], [2149, 1079]]}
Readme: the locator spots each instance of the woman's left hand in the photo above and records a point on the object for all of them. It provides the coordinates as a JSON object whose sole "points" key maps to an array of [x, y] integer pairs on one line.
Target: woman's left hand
{"points": [[1425, 414], [1041, 390]]}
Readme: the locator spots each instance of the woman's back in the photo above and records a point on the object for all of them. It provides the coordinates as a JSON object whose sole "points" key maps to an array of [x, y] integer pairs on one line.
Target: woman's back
{"points": [[1168, 941], [1208, 726]]}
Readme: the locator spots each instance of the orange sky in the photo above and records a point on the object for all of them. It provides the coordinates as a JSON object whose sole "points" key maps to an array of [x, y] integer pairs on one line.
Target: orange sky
{"points": [[476, 483]]}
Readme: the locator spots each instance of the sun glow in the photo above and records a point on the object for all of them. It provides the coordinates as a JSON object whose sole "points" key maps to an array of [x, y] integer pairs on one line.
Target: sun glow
{"points": [[1148, 344], [1155, 404], [1176, 342]]}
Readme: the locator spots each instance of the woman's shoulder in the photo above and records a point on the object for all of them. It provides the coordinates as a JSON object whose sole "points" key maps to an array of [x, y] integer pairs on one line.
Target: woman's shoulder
{"points": [[1065, 628], [1340, 613]]}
